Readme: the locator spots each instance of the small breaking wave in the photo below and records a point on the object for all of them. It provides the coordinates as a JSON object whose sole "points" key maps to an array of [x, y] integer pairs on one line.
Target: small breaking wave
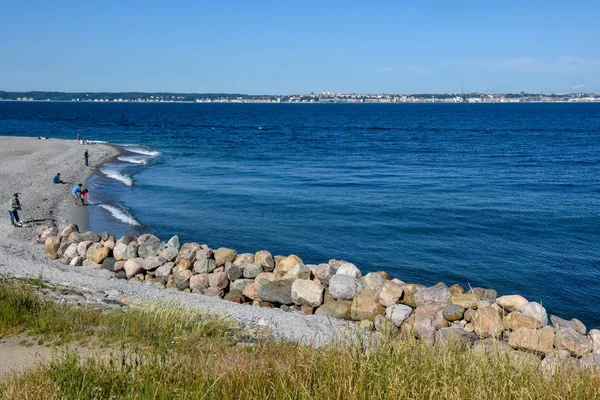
{"points": [[139, 150], [116, 175], [133, 159], [121, 215], [97, 141]]}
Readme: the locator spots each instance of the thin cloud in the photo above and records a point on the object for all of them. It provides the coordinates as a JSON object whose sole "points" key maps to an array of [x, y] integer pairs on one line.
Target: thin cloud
{"points": [[403, 69], [565, 64], [580, 86]]}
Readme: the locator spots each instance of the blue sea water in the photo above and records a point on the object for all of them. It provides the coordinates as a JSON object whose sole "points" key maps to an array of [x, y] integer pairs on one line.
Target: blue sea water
{"points": [[495, 195]]}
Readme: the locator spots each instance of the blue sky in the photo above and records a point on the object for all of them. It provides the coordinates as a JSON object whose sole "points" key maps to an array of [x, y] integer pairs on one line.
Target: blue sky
{"points": [[283, 47]]}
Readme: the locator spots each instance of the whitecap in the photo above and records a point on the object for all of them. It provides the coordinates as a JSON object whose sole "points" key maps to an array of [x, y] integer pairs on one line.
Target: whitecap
{"points": [[96, 141], [116, 175], [143, 151], [121, 215], [133, 159]]}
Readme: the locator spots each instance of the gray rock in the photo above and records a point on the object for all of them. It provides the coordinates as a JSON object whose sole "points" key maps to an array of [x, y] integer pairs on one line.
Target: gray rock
{"points": [[536, 311], [109, 263], [103, 236], [82, 247], [131, 252], [153, 262], [152, 246], [241, 260], [276, 292], [233, 272], [89, 236], [488, 295], [90, 264], [335, 309], [435, 297], [398, 313], [298, 271], [323, 272], [121, 275], [70, 253], [240, 284], [577, 344], [169, 253], [559, 324], [76, 261], [265, 259], [204, 266], [164, 270], [453, 313], [251, 271], [372, 281], [342, 287], [455, 335], [128, 238], [173, 243], [349, 269], [305, 292]]}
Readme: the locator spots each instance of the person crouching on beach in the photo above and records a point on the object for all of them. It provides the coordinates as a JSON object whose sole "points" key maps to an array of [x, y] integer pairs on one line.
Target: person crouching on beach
{"points": [[15, 205], [57, 179], [84, 197], [76, 193]]}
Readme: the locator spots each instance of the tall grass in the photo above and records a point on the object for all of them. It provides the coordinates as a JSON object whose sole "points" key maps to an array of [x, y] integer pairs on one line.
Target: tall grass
{"points": [[189, 359]]}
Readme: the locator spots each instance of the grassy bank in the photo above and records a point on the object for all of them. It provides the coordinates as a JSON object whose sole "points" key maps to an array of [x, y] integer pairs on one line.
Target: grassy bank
{"points": [[200, 361]]}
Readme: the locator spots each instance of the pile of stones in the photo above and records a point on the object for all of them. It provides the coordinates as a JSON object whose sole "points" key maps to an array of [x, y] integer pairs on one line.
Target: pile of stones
{"points": [[337, 289]]}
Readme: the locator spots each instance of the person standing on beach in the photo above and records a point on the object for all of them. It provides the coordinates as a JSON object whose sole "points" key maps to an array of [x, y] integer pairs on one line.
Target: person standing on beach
{"points": [[78, 136], [15, 205], [76, 193], [86, 157]]}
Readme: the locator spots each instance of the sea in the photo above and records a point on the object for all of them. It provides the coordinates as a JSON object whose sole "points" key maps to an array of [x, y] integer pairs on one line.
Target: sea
{"points": [[484, 195]]}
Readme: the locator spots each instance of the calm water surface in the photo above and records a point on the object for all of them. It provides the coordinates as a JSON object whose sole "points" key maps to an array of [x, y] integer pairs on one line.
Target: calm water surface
{"points": [[495, 195]]}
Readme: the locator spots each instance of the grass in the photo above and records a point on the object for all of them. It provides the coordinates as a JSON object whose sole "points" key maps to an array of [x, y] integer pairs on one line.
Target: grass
{"points": [[205, 365]]}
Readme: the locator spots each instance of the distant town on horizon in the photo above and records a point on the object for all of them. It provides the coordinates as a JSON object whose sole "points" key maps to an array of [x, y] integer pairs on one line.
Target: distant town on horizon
{"points": [[323, 97]]}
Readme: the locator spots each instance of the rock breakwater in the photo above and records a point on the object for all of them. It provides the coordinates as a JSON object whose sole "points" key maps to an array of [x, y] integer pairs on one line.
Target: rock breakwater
{"points": [[477, 318]]}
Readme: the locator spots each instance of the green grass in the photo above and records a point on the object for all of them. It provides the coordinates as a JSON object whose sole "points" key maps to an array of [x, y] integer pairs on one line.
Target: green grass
{"points": [[205, 365]]}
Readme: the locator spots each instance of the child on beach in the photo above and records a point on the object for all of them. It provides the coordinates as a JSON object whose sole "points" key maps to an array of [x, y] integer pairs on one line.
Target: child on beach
{"points": [[57, 179], [84, 197]]}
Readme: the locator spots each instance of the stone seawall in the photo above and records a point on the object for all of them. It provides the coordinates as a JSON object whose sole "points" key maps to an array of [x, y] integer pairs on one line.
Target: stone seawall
{"points": [[439, 314]]}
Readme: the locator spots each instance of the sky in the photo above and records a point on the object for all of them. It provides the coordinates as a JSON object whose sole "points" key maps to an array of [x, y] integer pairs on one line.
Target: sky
{"points": [[289, 46]]}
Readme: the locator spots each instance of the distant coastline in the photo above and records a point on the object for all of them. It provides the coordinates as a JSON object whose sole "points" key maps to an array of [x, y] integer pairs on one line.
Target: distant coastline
{"points": [[307, 98]]}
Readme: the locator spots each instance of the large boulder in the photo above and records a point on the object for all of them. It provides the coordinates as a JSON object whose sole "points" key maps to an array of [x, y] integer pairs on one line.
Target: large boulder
{"points": [[204, 252], [276, 292], [173, 243], [464, 300], [516, 320], [408, 296], [342, 287], [118, 251], [577, 344], [265, 277], [454, 335], [133, 266], [82, 247], [99, 254], [169, 253], [68, 230], [483, 294], [535, 310], [298, 271], [233, 272], [89, 264], [187, 252], [305, 292], [224, 255], [164, 270], [487, 322], [537, 341], [151, 246], [199, 282], [424, 327], [251, 289], [128, 238], [240, 284], [109, 263], [287, 263], [131, 251], [398, 313], [49, 232], [435, 297], [453, 312], [218, 280], [251, 271], [204, 266], [364, 306], [372, 281], [575, 324], [349, 269], [335, 309], [265, 259], [244, 259], [94, 247], [323, 272], [389, 293], [51, 246], [153, 262], [70, 253], [76, 237], [181, 280], [594, 336], [513, 302]]}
